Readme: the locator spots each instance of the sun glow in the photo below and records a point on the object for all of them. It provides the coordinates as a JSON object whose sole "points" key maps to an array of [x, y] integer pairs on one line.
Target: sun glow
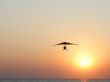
{"points": [[84, 60]]}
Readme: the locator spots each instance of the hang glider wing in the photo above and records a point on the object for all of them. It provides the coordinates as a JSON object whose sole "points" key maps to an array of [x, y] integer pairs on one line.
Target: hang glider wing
{"points": [[66, 43]]}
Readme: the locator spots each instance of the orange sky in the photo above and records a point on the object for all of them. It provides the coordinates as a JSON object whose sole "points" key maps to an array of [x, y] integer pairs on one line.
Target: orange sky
{"points": [[30, 28]]}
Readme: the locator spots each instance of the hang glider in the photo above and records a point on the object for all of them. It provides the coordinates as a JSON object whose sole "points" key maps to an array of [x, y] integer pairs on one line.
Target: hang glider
{"points": [[65, 44]]}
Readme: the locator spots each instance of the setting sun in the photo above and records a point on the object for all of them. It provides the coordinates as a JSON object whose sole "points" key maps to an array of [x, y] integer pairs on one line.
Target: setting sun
{"points": [[84, 62]]}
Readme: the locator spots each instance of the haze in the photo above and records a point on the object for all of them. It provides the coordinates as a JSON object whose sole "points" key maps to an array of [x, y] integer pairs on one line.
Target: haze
{"points": [[30, 28]]}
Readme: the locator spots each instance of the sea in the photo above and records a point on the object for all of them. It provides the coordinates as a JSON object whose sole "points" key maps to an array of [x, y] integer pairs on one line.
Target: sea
{"points": [[72, 80]]}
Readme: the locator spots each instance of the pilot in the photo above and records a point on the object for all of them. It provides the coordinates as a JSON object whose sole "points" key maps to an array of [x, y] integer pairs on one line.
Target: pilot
{"points": [[64, 48]]}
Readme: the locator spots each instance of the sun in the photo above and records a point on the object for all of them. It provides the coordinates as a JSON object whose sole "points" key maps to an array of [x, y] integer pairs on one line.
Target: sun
{"points": [[85, 62]]}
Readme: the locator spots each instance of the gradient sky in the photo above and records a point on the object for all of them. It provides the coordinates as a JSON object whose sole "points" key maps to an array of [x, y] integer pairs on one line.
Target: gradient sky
{"points": [[30, 28]]}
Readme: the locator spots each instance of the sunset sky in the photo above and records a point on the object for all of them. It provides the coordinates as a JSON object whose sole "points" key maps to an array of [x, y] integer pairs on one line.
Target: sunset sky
{"points": [[30, 28]]}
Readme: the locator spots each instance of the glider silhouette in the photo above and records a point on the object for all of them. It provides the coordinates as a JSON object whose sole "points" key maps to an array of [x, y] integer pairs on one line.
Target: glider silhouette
{"points": [[65, 44]]}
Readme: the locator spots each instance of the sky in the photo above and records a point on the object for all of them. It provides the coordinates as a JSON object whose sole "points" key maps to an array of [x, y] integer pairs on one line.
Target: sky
{"points": [[30, 28]]}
